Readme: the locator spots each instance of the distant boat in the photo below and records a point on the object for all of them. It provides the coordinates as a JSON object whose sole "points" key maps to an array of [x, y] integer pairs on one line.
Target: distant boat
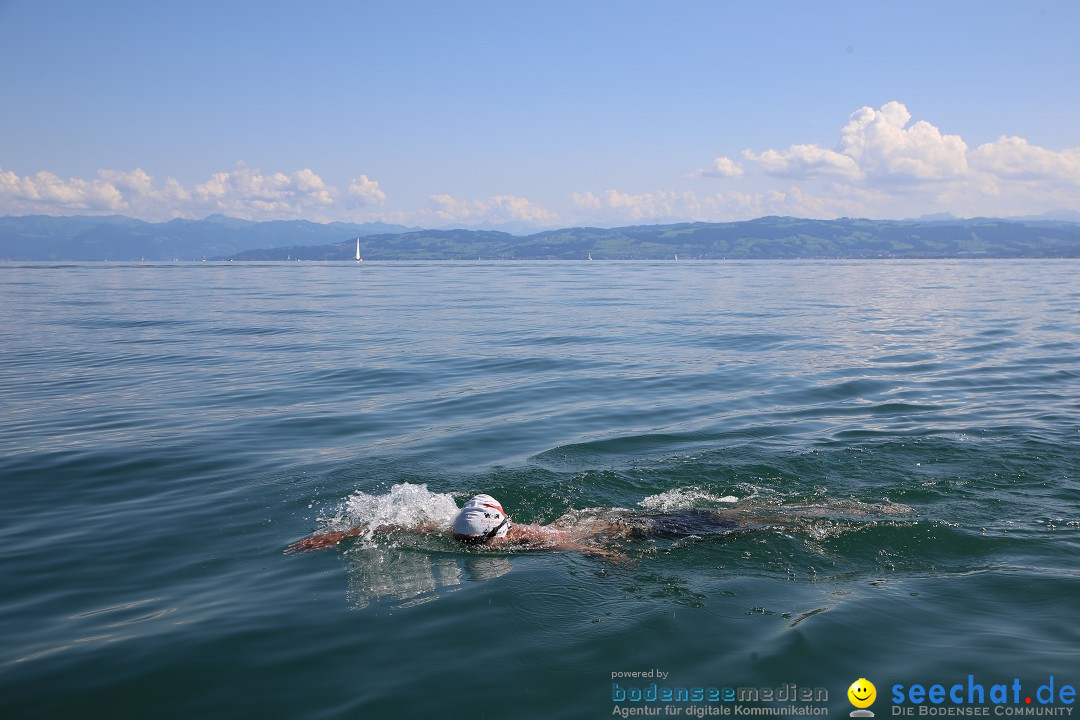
{"points": [[590, 257], [358, 258]]}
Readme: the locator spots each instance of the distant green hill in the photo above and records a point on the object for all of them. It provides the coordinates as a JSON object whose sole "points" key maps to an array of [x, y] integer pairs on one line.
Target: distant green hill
{"points": [[41, 237], [218, 237], [770, 237]]}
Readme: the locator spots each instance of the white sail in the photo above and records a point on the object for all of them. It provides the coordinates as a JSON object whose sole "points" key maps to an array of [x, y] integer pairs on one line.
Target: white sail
{"points": [[358, 258]]}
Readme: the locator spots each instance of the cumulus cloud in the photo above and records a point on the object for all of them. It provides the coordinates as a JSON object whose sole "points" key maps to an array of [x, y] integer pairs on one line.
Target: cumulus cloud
{"points": [[883, 165], [241, 192], [876, 145], [247, 193], [881, 144], [494, 210], [615, 207], [366, 192], [661, 205], [805, 161], [1014, 157], [46, 192], [722, 167]]}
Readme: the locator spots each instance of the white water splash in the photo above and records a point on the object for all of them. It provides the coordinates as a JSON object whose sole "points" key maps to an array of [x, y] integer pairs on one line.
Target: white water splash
{"points": [[406, 506], [683, 499]]}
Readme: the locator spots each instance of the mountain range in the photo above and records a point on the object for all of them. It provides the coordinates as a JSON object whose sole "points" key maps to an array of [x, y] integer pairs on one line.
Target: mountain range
{"points": [[218, 237], [114, 237]]}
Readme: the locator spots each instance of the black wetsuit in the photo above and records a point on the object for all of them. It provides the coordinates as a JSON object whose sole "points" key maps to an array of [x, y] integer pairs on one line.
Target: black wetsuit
{"points": [[681, 523]]}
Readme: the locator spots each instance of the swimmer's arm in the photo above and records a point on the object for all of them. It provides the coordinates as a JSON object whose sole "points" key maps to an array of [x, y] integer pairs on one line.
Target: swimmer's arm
{"points": [[319, 541], [548, 538], [615, 557], [530, 535]]}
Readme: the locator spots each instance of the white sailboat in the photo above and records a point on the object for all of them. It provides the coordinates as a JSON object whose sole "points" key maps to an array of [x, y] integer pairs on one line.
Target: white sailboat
{"points": [[358, 258]]}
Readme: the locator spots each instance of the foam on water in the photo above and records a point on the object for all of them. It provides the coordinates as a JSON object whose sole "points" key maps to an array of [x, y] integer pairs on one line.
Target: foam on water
{"points": [[684, 499], [406, 506]]}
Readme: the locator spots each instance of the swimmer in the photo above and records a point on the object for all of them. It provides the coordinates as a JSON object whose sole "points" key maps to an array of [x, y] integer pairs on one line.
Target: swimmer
{"points": [[483, 522]]}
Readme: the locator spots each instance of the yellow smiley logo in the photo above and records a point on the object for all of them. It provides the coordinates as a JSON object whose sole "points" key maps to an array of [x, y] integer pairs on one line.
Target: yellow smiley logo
{"points": [[862, 693]]}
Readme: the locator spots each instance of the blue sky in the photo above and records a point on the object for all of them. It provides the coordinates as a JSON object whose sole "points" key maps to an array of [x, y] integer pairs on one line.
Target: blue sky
{"points": [[512, 114]]}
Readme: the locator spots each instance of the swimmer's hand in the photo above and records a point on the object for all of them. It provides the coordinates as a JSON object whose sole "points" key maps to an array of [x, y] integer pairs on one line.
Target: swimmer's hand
{"points": [[320, 541], [614, 557]]}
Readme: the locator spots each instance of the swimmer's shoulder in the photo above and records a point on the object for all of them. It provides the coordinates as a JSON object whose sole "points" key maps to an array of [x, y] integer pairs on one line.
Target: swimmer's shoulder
{"points": [[531, 535]]}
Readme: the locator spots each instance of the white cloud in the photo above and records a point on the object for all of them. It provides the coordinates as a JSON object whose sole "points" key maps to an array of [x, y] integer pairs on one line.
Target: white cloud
{"points": [[722, 167], [494, 210], [884, 165], [881, 145], [613, 207], [805, 161], [587, 201], [877, 145], [366, 192], [248, 193], [242, 192], [45, 192], [137, 182], [660, 205], [1014, 157]]}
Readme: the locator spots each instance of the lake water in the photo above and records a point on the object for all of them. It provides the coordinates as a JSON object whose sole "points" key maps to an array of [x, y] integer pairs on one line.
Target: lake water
{"points": [[166, 430]]}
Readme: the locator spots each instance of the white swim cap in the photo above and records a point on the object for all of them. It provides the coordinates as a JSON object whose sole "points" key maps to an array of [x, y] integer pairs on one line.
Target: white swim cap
{"points": [[481, 519]]}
